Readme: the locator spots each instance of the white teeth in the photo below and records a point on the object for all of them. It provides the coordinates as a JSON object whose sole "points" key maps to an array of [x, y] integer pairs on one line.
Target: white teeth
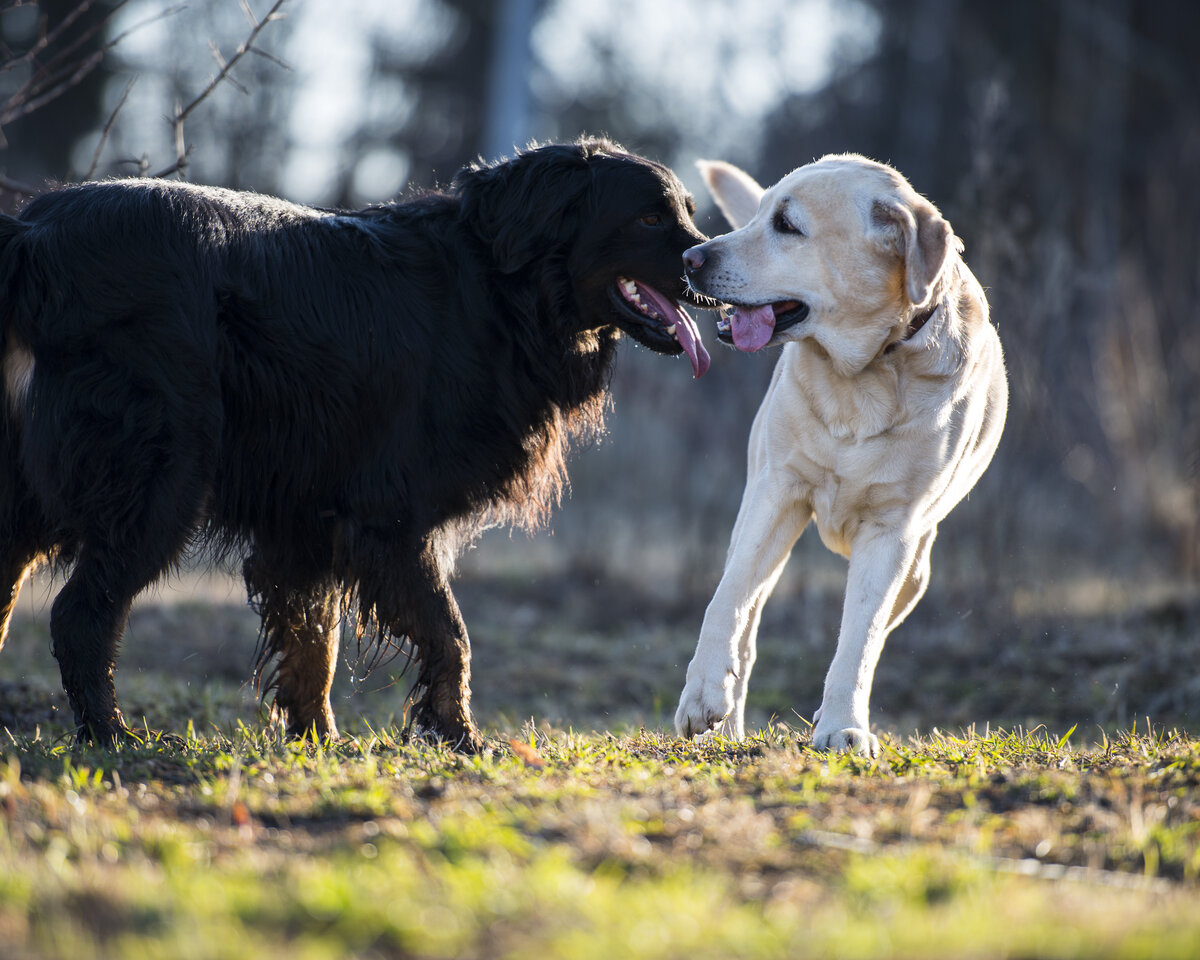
{"points": [[630, 289], [671, 330]]}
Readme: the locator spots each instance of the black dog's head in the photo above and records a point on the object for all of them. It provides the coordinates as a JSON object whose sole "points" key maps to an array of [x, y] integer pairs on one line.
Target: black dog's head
{"points": [[602, 229]]}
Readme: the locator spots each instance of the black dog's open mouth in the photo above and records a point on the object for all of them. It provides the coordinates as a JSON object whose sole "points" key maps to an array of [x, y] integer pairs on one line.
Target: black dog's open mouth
{"points": [[751, 328], [659, 322]]}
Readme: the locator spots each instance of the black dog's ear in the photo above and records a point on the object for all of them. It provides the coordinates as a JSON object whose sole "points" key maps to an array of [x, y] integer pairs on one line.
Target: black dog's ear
{"points": [[524, 207]]}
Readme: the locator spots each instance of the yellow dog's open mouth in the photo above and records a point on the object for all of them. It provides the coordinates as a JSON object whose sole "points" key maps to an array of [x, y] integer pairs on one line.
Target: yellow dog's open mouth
{"points": [[750, 328]]}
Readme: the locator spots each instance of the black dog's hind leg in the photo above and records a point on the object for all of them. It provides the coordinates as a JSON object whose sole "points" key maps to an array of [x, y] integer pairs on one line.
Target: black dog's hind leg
{"points": [[298, 635], [121, 468], [87, 621], [88, 617]]}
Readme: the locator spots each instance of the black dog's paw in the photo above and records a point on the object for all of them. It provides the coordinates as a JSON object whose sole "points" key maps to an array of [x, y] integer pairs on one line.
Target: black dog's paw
{"points": [[458, 737], [116, 733]]}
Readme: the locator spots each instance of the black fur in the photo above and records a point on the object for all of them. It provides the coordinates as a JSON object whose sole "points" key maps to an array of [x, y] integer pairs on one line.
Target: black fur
{"points": [[341, 398]]}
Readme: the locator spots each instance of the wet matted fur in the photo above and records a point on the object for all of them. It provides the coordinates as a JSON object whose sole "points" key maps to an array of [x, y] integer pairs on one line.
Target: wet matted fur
{"points": [[343, 398]]}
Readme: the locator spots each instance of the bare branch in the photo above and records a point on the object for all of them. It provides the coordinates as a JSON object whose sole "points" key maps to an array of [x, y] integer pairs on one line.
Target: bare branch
{"points": [[175, 167], [17, 186], [91, 170], [270, 56], [14, 111], [241, 51], [162, 15], [180, 143], [63, 54], [229, 78], [48, 39], [56, 75], [57, 67], [223, 74]]}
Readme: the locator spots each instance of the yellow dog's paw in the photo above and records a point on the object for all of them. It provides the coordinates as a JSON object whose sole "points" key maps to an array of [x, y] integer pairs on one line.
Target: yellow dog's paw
{"points": [[703, 705], [847, 740]]}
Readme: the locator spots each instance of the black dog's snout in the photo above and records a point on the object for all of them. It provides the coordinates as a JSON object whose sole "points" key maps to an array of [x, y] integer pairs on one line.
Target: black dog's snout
{"points": [[693, 259]]}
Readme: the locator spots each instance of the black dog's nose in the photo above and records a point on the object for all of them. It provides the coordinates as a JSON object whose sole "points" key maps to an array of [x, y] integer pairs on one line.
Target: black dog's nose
{"points": [[693, 259]]}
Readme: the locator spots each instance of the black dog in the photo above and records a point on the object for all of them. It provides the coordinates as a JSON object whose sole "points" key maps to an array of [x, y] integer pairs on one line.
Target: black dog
{"points": [[342, 398]]}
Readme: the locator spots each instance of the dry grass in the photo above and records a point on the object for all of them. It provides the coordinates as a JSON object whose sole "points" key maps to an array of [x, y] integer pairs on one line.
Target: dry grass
{"points": [[636, 845]]}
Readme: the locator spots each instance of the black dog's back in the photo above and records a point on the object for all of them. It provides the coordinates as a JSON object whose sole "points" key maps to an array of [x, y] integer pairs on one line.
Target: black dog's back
{"points": [[287, 345]]}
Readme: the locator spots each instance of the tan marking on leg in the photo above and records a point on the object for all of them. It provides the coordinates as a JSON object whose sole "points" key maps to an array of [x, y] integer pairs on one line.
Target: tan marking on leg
{"points": [[306, 642], [17, 372], [12, 575]]}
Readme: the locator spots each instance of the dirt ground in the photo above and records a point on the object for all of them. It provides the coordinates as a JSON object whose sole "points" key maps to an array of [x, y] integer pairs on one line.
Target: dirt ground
{"points": [[595, 652]]}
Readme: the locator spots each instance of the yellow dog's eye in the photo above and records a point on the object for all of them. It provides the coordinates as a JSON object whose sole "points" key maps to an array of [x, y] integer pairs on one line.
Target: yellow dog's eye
{"points": [[653, 220], [783, 225]]}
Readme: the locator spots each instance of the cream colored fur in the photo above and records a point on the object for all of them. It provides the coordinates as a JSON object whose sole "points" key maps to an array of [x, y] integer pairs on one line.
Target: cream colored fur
{"points": [[872, 432], [16, 370]]}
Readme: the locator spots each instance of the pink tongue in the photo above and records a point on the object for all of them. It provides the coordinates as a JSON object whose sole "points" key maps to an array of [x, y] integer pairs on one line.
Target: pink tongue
{"points": [[689, 338], [752, 327], [685, 329]]}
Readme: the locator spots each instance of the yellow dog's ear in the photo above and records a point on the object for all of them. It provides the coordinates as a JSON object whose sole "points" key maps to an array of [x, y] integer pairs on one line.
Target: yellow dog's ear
{"points": [[921, 237], [735, 191]]}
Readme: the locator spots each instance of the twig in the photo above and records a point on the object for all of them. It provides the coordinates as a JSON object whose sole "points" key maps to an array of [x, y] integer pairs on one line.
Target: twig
{"points": [[47, 39], [180, 144], [270, 56], [182, 112], [241, 51], [17, 186], [58, 74], [25, 107], [220, 59], [165, 171], [62, 54], [112, 117], [161, 15]]}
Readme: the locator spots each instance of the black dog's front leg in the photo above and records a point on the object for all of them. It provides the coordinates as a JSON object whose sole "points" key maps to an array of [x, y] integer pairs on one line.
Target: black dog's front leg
{"points": [[442, 701], [409, 596]]}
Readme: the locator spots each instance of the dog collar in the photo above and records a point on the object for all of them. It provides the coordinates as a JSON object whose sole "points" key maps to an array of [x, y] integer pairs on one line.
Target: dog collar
{"points": [[915, 324]]}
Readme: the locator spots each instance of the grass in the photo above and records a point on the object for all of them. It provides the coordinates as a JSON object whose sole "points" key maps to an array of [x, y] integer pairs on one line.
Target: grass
{"points": [[623, 843], [562, 844]]}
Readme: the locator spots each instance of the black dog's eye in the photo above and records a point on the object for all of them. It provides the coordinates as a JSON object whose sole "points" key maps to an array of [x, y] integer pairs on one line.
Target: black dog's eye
{"points": [[651, 220], [783, 225]]}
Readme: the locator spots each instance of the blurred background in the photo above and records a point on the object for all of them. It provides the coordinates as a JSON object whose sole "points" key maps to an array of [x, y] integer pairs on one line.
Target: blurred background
{"points": [[1061, 138]]}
